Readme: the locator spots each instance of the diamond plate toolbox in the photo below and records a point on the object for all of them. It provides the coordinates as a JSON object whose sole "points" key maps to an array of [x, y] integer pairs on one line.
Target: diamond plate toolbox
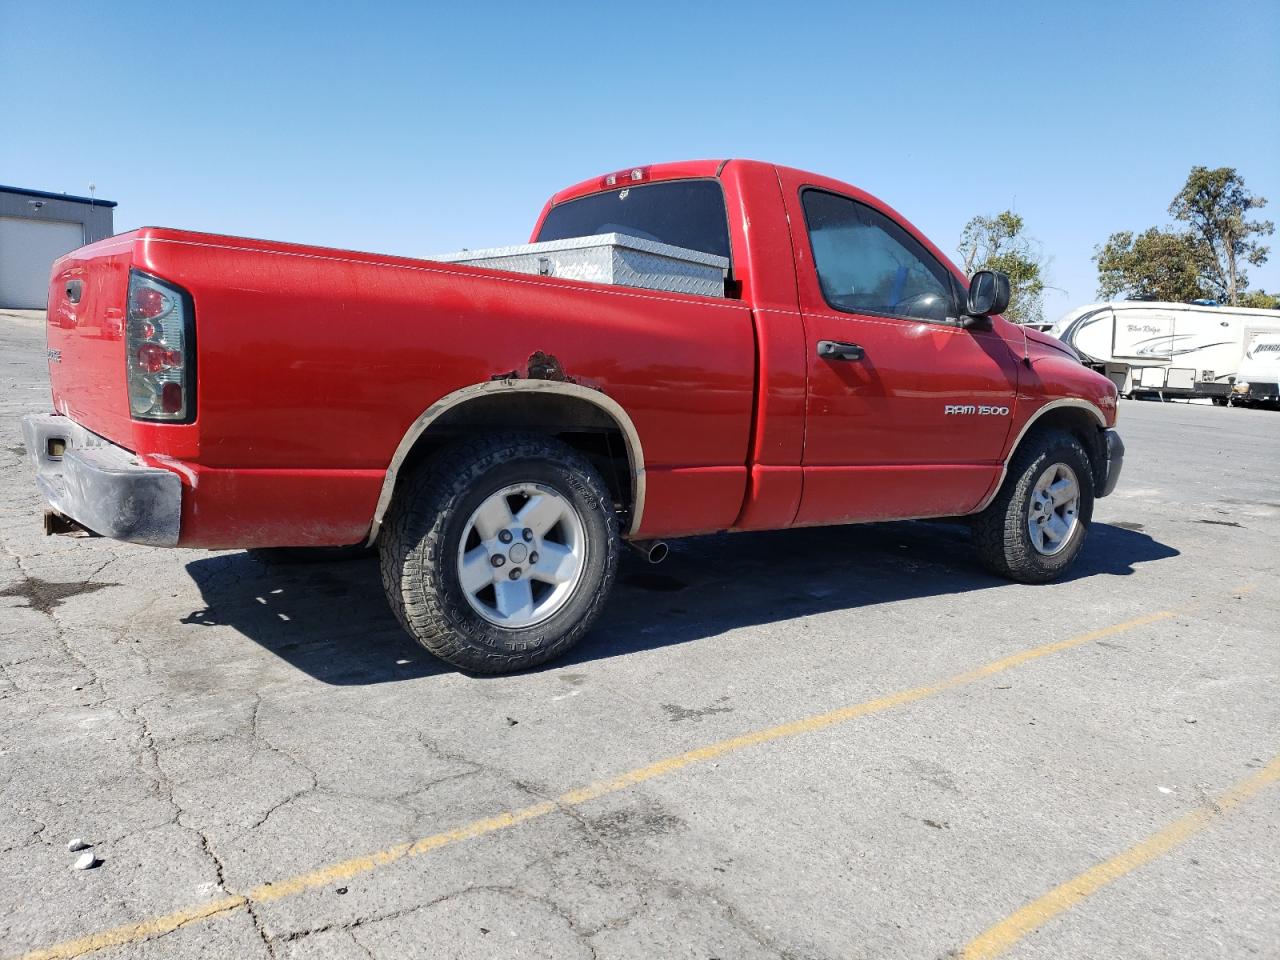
{"points": [[608, 258]]}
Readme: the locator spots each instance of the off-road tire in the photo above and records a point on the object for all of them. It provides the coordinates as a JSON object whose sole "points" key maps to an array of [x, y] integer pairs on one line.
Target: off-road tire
{"points": [[418, 549], [1000, 531]]}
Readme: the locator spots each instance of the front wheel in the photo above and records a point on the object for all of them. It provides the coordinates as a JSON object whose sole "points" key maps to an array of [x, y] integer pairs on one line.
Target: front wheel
{"points": [[500, 553], [1036, 526]]}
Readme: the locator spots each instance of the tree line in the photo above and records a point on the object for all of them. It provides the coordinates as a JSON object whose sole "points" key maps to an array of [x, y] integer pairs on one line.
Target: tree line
{"points": [[1202, 256]]}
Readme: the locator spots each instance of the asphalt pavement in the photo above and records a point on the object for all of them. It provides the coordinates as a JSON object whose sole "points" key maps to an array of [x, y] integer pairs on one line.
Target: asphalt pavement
{"points": [[849, 742]]}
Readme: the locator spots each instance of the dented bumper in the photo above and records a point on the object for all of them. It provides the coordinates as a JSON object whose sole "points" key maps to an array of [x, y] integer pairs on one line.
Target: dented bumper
{"points": [[101, 486]]}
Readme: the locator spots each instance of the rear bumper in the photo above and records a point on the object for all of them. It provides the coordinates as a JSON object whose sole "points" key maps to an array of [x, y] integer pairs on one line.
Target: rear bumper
{"points": [[1259, 391], [101, 486], [1113, 447]]}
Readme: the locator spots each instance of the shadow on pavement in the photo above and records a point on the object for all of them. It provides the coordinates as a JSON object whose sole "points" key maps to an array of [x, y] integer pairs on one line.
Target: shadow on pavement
{"points": [[330, 620]]}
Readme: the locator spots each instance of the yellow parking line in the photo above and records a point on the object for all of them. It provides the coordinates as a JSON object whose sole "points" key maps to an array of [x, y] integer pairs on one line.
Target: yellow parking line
{"points": [[137, 932], [345, 870], [1034, 915]]}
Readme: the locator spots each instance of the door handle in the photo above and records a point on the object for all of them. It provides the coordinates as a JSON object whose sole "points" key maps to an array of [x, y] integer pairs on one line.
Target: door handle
{"points": [[838, 350]]}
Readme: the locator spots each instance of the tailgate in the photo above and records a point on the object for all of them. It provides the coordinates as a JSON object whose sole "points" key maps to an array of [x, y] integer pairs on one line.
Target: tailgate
{"points": [[85, 332]]}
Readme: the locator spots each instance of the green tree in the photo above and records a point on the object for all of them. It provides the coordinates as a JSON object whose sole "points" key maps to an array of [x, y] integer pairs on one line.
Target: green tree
{"points": [[998, 243], [1215, 204], [1259, 299], [1154, 265]]}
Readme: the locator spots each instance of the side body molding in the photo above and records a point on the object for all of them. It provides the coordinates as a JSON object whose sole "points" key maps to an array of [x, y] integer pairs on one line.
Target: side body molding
{"points": [[635, 453], [1031, 422]]}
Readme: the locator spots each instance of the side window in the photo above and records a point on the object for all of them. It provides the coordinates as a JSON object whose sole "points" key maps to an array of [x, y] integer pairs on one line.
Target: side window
{"points": [[866, 263]]}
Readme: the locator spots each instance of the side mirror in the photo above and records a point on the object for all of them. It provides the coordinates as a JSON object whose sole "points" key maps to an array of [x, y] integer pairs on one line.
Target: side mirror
{"points": [[988, 293]]}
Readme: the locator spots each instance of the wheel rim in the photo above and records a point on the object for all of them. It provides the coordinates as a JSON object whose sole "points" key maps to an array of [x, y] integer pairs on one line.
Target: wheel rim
{"points": [[1054, 509], [522, 555]]}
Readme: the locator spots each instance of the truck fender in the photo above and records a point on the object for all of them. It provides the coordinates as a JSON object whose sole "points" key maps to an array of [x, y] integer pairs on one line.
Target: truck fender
{"points": [[1032, 420], [611, 407]]}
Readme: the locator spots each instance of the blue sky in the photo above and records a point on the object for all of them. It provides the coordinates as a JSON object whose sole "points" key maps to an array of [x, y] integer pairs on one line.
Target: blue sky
{"points": [[416, 128]]}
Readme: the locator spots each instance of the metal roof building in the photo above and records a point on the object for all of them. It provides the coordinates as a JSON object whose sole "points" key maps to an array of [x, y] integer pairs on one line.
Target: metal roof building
{"points": [[37, 227]]}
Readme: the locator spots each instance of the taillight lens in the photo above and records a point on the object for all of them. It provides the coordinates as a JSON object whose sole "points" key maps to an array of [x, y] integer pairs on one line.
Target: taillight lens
{"points": [[146, 302], [157, 351]]}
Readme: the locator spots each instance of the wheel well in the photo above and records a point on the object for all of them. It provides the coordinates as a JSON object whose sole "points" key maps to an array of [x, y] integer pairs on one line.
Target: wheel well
{"points": [[1082, 425], [581, 424]]}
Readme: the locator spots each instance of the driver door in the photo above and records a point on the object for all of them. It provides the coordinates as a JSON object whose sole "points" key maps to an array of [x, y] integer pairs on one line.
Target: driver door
{"points": [[908, 414]]}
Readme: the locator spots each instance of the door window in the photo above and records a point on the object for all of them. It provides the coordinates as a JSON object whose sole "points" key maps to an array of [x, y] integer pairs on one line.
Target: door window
{"points": [[866, 263]]}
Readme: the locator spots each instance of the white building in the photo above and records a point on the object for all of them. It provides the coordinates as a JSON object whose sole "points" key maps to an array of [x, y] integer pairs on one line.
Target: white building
{"points": [[36, 228]]}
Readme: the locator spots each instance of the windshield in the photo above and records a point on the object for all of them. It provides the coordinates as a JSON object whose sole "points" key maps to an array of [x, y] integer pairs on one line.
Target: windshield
{"points": [[683, 213]]}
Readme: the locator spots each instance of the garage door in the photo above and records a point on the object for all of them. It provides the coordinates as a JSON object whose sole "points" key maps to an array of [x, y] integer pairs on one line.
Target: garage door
{"points": [[27, 251]]}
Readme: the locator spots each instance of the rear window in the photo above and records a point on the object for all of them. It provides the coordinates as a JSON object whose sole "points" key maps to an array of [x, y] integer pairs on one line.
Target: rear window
{"points": [[683, 213]]}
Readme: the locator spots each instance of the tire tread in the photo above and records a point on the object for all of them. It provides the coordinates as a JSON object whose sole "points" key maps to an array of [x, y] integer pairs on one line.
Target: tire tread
{"points": [[411, 548], [1002, 543]]}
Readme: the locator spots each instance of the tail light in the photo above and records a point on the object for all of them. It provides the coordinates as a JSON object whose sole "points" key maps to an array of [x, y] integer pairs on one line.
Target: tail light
{"points": [[159, 351]]}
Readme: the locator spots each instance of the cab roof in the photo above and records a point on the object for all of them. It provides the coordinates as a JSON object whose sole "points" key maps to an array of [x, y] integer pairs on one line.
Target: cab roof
{"points": [[647, 173]]}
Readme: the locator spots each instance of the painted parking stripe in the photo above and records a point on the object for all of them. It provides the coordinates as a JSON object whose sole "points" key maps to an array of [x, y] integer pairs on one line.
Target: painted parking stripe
{"points": [[1062, 898], [346, 869]]}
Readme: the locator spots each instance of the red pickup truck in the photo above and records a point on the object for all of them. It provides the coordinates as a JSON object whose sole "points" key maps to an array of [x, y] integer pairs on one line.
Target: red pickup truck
{"points": [[497, 435]]}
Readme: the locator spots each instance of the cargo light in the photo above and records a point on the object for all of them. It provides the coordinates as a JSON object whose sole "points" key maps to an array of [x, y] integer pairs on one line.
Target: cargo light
{"points": [[157, 351], [634, 175]]}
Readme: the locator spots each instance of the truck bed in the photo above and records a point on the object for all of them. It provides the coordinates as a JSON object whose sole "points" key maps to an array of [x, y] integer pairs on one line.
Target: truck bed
{"points": [[312, 363]]}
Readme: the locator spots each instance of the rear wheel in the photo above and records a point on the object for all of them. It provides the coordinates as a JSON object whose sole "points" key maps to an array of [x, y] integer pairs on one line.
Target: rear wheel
{"points": [[500, 553], [1036, 526]]}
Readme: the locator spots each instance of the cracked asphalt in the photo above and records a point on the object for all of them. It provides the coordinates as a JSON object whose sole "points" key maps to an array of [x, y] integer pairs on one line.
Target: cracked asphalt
{"points": [[259, 755]]}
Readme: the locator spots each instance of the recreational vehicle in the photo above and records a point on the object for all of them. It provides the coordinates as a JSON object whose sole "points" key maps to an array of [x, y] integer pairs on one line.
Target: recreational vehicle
{"points": [[1258, 379], [1167, 349]]}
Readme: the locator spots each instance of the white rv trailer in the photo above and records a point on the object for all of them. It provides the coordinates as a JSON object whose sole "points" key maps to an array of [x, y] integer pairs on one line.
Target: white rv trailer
{"points": [[1258, 379], [1170, 349]]}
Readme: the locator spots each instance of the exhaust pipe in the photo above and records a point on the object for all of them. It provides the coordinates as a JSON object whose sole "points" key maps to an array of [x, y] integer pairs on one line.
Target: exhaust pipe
{"points": [[655, 551], [58, 524]]}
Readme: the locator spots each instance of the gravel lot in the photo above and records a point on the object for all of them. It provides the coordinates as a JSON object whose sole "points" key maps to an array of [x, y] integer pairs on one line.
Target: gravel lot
{"points": [[848, 742]]}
